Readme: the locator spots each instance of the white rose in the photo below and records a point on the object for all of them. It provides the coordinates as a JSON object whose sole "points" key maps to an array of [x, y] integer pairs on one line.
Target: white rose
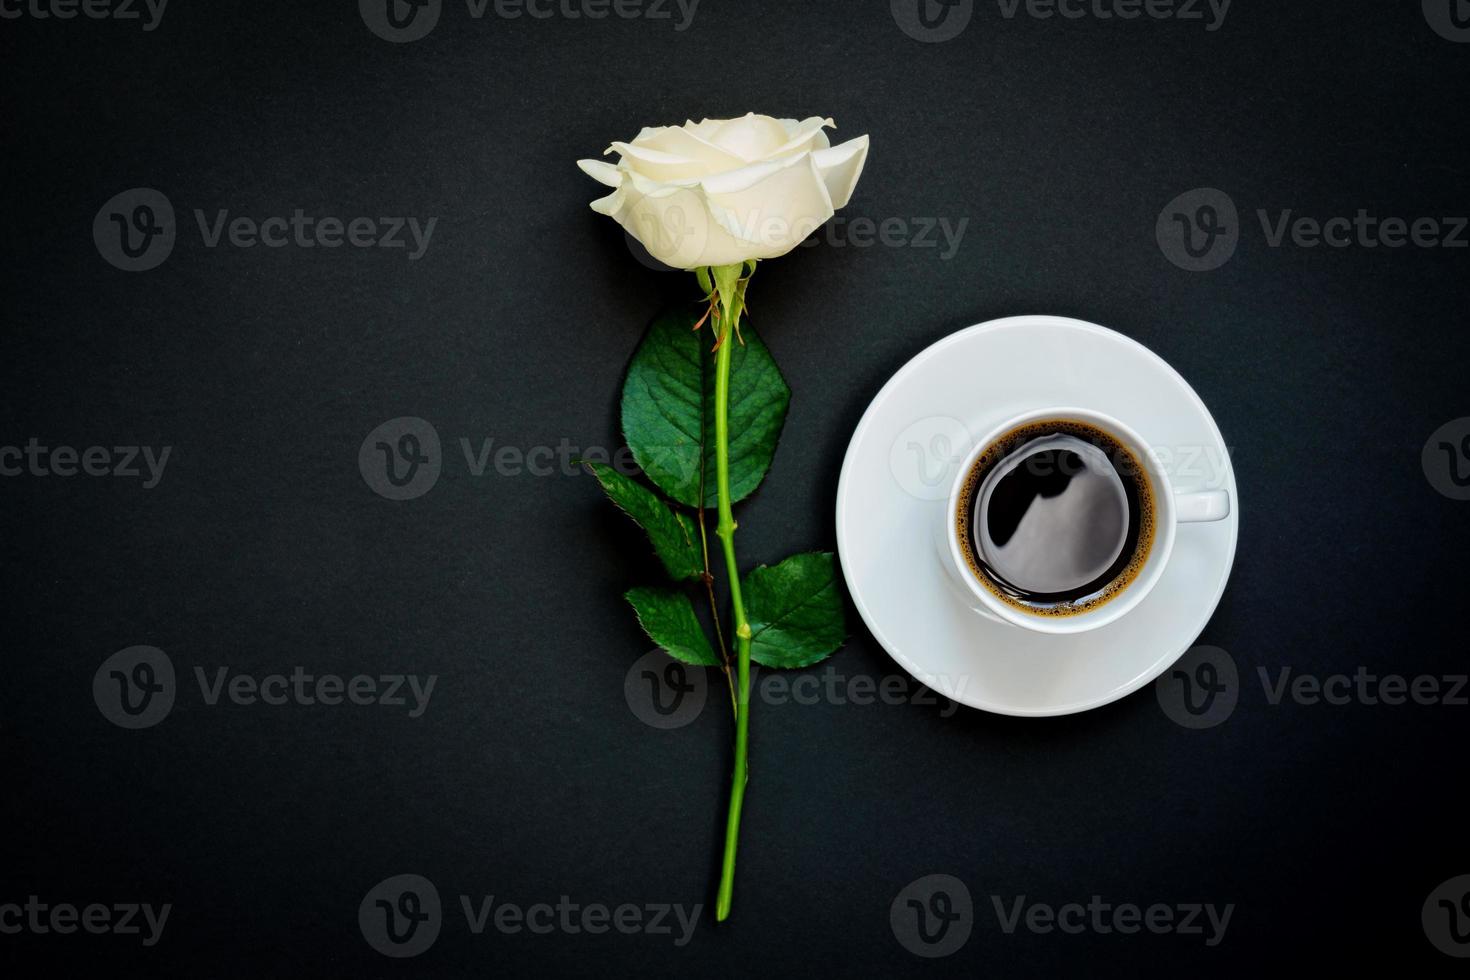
{"points": [[724, 191]]}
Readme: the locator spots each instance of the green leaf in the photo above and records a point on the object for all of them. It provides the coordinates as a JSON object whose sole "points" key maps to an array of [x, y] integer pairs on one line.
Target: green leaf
{"points": [[667, 616], [673, 534], [669, 411], [795, 611], [691, 534]]}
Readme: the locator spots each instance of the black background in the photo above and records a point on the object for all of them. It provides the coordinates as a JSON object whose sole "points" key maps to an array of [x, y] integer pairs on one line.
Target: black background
{"points": [[528, 777]]}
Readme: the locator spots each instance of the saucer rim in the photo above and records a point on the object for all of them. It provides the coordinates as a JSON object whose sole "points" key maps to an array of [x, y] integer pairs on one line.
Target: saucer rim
{"points": [[917, 361]]}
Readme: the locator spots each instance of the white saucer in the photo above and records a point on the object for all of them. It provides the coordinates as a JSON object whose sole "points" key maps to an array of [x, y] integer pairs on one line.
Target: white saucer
{"points": [[898, 470]]}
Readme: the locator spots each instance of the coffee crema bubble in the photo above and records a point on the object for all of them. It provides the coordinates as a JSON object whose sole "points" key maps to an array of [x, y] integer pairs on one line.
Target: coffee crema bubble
{"points": [[1056, 517]]}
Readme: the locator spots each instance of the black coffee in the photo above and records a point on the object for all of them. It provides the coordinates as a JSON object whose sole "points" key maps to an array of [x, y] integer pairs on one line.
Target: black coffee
{"points": [[1056, 517]]}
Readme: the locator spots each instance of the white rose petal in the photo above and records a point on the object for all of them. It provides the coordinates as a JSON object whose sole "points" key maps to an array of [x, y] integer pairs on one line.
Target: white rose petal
{"points": [[775, 212], [682, 142], [803, 136], [841, 166], [603, 173], [723, 191], [659, 165], [750, 137]]}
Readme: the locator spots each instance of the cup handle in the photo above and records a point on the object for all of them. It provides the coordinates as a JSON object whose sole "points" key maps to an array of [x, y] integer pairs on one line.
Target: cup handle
{"points": [[1199, 508]]}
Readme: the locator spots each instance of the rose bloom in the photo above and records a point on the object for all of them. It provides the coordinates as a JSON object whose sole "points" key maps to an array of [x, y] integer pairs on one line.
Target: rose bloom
{"points": [[724, 191]]}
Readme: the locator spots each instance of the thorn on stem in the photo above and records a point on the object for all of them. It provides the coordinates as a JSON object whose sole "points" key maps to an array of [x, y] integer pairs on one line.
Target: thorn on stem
{"points": [[705, 317]]}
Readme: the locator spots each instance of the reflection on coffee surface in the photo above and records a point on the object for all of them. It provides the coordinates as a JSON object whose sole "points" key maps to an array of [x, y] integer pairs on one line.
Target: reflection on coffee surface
{"points": [[1056, 517]]}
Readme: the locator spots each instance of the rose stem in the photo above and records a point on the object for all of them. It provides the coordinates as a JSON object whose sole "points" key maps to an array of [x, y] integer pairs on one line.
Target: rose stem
{"points": [[725, 531]]}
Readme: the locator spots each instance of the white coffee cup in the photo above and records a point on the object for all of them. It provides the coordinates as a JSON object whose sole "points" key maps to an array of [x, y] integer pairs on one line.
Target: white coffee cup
{"points": [[1169, 510]]}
